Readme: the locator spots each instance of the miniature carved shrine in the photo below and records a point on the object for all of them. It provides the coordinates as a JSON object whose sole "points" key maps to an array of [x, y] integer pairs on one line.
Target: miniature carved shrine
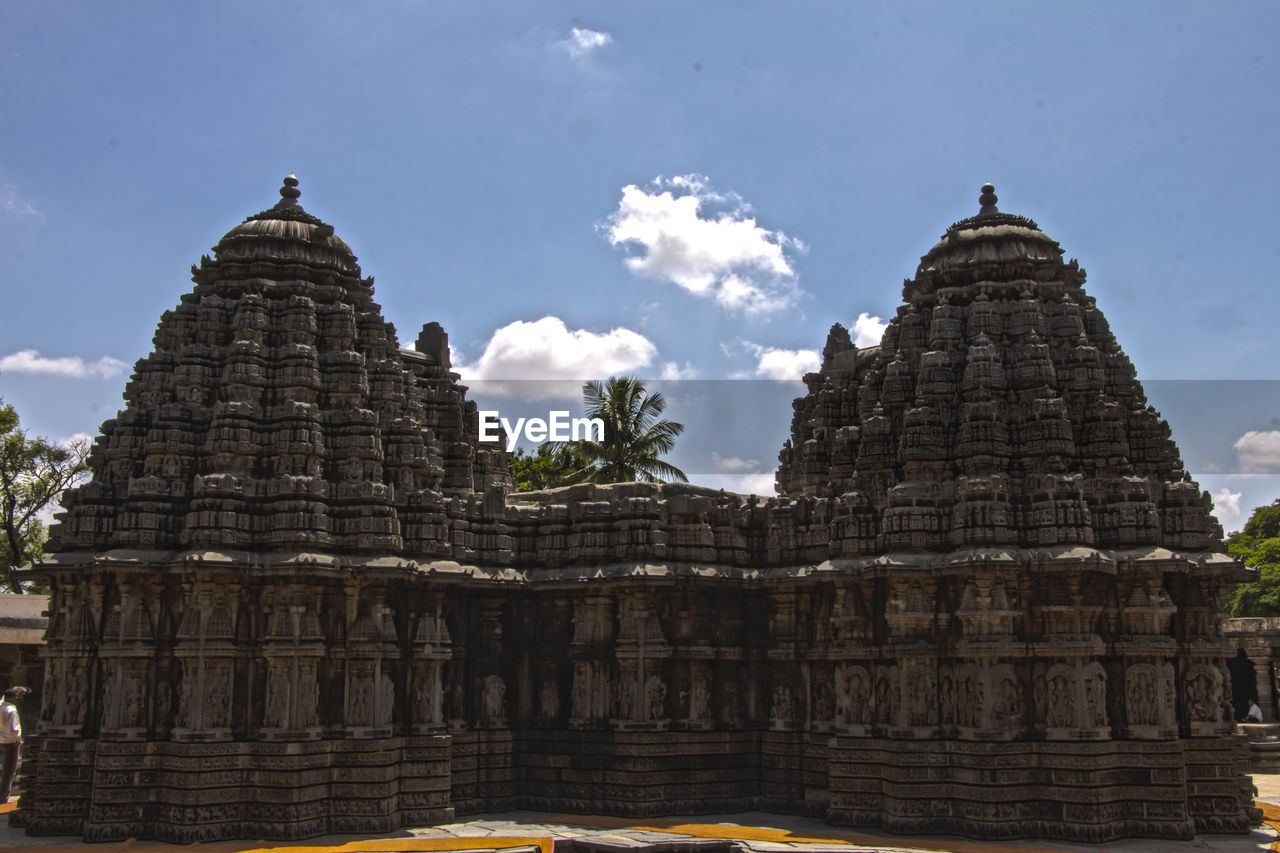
{"points": [[299, 597]]}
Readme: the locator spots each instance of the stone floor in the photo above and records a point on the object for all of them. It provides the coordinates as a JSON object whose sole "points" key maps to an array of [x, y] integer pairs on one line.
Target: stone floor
{"points": [[750, 832]]}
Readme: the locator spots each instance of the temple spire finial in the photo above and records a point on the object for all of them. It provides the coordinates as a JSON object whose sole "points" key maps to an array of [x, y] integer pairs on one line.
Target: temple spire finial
{"points": [[289, 192], [988, 199]]}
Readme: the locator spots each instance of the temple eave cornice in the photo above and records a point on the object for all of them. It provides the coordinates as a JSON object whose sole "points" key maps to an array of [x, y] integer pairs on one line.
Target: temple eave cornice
{"points": [[994, 559]]}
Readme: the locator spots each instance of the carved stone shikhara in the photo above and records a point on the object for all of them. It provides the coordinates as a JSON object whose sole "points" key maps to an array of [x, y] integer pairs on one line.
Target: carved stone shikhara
{"points": [[299, 596]]}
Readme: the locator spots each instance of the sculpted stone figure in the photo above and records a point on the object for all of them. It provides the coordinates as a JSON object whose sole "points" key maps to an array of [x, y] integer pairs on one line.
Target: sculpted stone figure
{"points": [[699, 698], [186, 702], [308, 700], [421, 699], [548, 700], [783, 707], [1142, 695], [823, 702], [493, 700], [625, 699], [130, 701], [362, 702], [1095, 695], [386, 700], [731, 711], [580, 709], [1059, 700], [655, 696], [276, 715], [922, 698], [217, 697], [947, 701]]}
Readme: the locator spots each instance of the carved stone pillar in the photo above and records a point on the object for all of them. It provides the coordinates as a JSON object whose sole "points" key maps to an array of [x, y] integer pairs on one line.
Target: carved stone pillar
{"points": [[292, 651], [1266, 693], [430, 649], [369, 691], [698, 704], [787, 683], [641, 690], [490, 688], [1149, 692], [71, 648], [127, 648], [906, 693], [843, 693], [206, 649], [589, 651], [1069, 686]]}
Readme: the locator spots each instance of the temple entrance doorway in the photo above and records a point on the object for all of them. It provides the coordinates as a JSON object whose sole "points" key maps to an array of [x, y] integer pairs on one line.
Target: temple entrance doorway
{"points": [[1244, 683]]}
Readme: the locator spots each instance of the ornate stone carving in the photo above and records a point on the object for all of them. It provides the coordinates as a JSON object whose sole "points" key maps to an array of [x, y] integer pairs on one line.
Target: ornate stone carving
{"points": [[493, 709], [1149, 700], [1203, 694], [641, 650], [294, 534]]}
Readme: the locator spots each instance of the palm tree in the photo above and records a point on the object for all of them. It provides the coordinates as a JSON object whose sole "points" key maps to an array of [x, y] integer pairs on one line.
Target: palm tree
{"points": [[634, 436]]}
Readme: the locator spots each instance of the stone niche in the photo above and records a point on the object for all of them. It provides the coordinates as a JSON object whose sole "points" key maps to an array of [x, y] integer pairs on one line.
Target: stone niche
{"points": [[299, 596]]}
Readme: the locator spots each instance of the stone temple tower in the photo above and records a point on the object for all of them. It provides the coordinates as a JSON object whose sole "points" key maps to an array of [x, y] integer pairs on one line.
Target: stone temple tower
{"points": [[998, 410], [279, 414], [299, 597]]}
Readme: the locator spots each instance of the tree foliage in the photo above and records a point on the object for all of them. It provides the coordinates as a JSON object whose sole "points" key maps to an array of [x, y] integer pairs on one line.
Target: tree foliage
{"points": [[548, 467], [1258, 546], [636, 435], [33, 475]]}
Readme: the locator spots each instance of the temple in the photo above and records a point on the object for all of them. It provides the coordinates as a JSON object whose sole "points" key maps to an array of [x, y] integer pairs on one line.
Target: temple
{"points": [[299, 597]]}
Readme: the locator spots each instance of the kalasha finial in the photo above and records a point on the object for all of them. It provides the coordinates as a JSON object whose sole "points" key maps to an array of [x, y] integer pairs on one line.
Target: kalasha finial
{"points": [[290, 192], [988, 199]]}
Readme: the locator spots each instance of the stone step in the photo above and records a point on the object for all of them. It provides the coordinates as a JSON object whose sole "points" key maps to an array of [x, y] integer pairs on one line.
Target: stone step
{"points": [[1259, 731]]}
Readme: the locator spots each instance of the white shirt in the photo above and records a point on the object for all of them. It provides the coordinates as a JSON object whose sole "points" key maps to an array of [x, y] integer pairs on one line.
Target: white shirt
{"points": [[10, 725]]}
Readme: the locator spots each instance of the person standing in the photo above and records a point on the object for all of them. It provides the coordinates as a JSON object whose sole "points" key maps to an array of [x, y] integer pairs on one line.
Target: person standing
{"points": [[10, 739]]}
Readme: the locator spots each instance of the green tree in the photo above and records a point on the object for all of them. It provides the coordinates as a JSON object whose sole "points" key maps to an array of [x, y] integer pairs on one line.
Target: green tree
{"points": [[1258, 546], [549, 466], [635, 434], [33, 474]]}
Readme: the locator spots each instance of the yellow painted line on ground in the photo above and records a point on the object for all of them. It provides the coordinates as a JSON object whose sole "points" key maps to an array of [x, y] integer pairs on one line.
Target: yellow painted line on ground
{"points": [[784, 836], [478, 842], [1271, 817], [399, 845], [545, 843]]}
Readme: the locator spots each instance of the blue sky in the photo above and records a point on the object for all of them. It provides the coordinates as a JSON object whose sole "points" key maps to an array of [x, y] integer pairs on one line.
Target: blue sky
{"points": [[676, 190]]}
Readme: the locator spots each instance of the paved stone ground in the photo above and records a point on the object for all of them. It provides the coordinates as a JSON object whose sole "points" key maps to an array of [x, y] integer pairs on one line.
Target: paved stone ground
{"points": [[754, 832]]}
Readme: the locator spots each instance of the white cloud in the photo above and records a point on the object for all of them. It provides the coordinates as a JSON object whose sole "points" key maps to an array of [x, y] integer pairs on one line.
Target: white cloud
{"points": [[72, 367], [1259, 452], [787, 363], [754, 483], [583, 42], [547, 349], [11, 202], [1226, 506], [868, 330], [778, 363], [77, 438], [671, 370], [707, 243], [734, 464]]}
